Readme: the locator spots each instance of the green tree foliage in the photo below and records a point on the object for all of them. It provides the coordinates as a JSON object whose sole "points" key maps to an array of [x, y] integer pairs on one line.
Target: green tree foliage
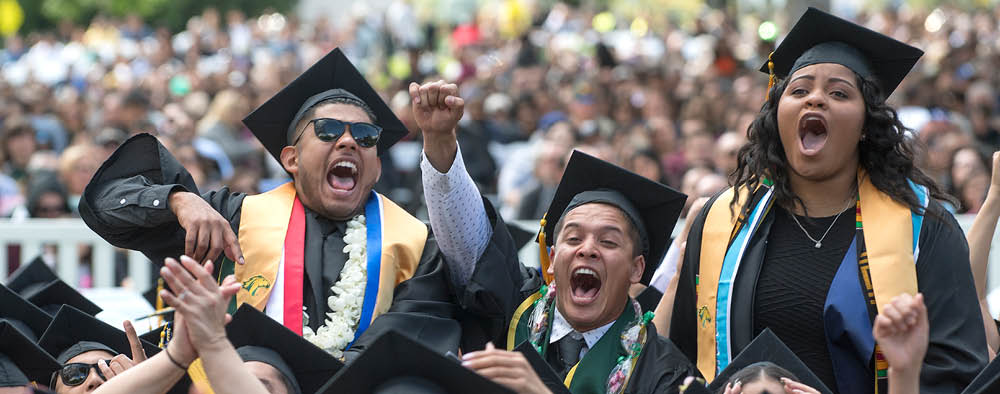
{"points": [[172, 14]]}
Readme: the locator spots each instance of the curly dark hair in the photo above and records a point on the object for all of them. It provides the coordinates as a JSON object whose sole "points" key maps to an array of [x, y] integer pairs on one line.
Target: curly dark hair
{"points": [[885, 153]]}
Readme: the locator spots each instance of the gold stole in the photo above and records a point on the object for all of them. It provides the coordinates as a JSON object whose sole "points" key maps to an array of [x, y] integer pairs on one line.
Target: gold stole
{"points": [[264, 222]]}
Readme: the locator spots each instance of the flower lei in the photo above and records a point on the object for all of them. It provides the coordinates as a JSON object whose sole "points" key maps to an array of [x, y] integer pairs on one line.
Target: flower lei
{"points": [[348, 294], [633, 337]]}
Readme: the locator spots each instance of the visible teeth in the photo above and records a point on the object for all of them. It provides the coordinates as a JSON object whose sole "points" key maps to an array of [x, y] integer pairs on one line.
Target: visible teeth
{"points": [[585, 271], [354, 168]]}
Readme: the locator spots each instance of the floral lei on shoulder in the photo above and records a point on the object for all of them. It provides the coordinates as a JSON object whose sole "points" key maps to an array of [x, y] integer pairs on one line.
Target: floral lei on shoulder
{"points": [[348, 294], [633, 337]]}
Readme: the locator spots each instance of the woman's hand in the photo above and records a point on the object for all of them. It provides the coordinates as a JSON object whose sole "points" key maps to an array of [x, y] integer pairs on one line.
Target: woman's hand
{"points": [[901, 329], [196, 294]]}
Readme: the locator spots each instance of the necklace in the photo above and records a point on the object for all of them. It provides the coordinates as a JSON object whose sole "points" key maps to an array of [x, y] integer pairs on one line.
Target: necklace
{"points": [[819, 242], [348, 294]]}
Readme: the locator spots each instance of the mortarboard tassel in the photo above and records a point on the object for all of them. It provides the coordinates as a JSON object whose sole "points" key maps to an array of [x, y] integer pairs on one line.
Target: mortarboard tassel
{"points": [[770, 77], [543, 255]]}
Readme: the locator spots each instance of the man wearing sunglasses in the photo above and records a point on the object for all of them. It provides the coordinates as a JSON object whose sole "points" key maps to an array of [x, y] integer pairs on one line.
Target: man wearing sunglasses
{"points": [[292, 246], [89, 351]]}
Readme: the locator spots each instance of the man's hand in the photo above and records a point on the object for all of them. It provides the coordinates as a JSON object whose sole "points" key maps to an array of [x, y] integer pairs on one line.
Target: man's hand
{"points": [[509, 369], [208, 233], [902, 330], [121, 362], [437, 110]]}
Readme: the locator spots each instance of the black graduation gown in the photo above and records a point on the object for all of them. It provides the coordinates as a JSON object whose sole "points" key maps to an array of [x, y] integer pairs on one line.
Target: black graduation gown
{"points": [[957, 349], [501, 283], [126, 204]]}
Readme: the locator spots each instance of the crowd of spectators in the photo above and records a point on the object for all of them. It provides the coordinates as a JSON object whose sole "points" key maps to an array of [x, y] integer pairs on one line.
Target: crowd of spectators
{"points": [[670, 101]]}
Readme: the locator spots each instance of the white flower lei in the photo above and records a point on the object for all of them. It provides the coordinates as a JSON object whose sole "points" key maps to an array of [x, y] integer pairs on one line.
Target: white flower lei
{"points": [[348, 294]]}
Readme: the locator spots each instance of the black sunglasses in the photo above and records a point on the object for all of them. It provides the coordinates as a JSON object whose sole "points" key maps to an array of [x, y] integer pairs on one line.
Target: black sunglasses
{"points": [[74, 374], [330, 130]]}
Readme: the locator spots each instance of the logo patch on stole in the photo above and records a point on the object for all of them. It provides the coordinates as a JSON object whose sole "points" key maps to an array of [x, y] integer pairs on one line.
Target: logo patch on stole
{"points": [[704, 316], [255, 283]]}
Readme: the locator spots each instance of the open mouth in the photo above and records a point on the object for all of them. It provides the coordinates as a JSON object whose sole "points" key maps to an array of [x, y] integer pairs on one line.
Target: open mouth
{"points": [[343, 175], [585, 285], [812, 134]]}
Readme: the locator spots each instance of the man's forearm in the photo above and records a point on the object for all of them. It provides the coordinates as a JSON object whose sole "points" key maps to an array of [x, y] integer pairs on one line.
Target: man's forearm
{"points": [[441, 150]]}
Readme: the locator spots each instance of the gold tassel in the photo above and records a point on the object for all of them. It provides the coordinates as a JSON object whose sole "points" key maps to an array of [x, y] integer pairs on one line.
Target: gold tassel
{"points": [[771, 78], [543, 253]]}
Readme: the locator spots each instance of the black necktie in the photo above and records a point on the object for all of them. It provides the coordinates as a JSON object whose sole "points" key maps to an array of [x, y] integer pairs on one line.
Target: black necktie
{"points": [[569, 351]]}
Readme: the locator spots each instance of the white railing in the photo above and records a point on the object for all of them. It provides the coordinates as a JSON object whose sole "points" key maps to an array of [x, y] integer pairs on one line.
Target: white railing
{"points": [[68, 234]]}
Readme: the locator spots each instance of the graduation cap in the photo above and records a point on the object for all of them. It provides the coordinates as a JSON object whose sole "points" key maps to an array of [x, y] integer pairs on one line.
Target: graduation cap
{"points": [[22, 314], [768, 347], [988, 381], [649, 298], [546, 374], [332, 76], [650, 206], [819, 37], [21, 360], [520, 236], [257, 337], [74, 332], [394, 356], [37, 283], [34, 273]]}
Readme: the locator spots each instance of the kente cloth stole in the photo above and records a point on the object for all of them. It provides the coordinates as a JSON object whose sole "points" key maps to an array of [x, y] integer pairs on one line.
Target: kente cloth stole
{"points": [[392, 256], [590, 374], [886, 256]]}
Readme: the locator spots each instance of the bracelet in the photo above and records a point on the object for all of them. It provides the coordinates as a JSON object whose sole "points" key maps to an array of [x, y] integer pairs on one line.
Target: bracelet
{"points": [[167, 351]]}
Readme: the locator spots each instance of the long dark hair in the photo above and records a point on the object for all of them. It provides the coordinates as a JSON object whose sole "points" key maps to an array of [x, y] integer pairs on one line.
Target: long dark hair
{"points": [[758, 371], [885, 153]]}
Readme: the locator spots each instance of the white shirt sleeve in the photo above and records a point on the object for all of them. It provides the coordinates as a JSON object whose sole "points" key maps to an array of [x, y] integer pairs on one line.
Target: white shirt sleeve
{"points": [[457, 216]]}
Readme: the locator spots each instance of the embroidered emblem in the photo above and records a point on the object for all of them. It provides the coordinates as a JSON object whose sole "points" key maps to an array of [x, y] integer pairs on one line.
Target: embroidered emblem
{"points": [[255, 283], [704, 316]]}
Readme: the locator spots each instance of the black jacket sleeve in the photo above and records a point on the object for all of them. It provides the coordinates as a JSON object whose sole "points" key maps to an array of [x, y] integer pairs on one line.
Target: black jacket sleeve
{"points": [[497, 287], [127, 201], [957, 348]]}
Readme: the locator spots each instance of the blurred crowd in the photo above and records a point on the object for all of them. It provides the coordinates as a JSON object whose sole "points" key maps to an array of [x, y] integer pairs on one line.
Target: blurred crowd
{"points": [[671, 101]]}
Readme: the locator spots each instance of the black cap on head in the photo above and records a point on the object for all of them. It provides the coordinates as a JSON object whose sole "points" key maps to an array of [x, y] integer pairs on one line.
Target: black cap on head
{"points": [[988, 381], [37, 283], [56, 293], [74, 332], [35, 273], [819, 37], [768, 347], [650, 206], [20, 313], [393, 355], [257, 337], [333, 76], [21, 360]]}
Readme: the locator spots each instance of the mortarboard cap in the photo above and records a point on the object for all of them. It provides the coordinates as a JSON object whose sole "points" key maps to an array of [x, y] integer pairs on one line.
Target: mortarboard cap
{"points": [[37, 283], [35, 273], [21, 360], [768, 347], [544, 371], [988, 381], [56, 293], [393, 355], [331, 76], [257, 337], [74, 332], [650, 206], [520, 236], [819, 37], [22, 314], [649, 298]]}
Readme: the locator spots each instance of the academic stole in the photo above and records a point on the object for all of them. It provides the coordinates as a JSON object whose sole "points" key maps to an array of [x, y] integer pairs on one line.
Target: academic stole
{"points": [[886, 262], [590, 374], [267, 217]]}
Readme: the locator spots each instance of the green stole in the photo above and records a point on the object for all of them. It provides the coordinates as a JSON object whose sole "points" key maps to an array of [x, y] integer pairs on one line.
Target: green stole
{"points": [[590, 374]]}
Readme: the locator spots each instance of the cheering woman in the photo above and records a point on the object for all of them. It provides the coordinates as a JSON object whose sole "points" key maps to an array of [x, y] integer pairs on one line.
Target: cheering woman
{"points": [[828, 220]]}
